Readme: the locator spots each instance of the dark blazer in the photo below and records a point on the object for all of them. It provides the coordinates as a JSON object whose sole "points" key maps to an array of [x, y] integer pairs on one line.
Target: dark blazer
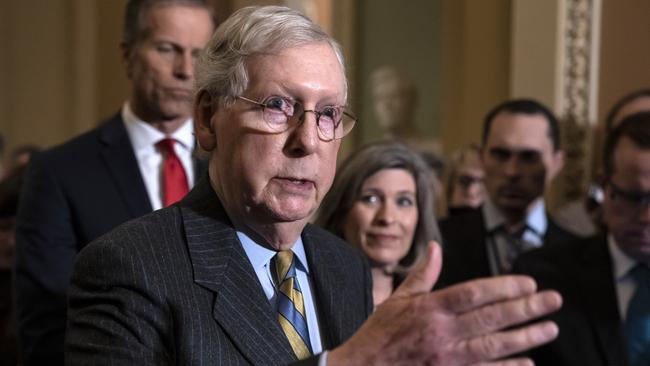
{"points": [[72, 194], [465, 251], [591, 331], [175, 288]]}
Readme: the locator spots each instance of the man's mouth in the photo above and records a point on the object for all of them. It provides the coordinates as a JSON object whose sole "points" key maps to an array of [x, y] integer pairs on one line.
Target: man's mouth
{"points": [[297, 183], [180, 93]]}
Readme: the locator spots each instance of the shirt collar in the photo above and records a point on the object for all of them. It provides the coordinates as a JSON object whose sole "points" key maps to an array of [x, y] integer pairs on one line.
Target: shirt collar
{"points": [[536, 219], [622, 263], [260, 256], [145, 136]]}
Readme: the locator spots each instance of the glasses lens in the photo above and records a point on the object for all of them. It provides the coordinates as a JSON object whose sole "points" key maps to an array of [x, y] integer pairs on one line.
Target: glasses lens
{"points": [[345, 125], [329, 120], [276, 113]]}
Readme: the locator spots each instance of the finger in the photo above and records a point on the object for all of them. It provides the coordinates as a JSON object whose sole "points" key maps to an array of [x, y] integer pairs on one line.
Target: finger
{"points": [[477, 293], [504, 314], [499, 345], [422, 278]]}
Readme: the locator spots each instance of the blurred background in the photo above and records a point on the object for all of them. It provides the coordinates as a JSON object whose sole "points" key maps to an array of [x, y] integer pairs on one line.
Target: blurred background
{"points": [[61, 72]]}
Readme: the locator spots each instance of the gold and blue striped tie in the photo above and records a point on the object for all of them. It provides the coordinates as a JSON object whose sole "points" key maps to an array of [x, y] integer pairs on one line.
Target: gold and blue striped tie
{"points": [[291, 308]]}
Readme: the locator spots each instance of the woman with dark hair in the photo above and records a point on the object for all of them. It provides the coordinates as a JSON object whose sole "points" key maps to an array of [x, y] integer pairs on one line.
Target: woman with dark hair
{"points": [[382, 202]]}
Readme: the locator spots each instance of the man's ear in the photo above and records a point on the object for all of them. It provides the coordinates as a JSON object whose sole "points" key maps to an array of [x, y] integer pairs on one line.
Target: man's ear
{"points": [[204, 110]]}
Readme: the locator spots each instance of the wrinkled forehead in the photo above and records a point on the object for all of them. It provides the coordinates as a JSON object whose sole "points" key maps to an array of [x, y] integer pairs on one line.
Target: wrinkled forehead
{"points": [[299, 72]]}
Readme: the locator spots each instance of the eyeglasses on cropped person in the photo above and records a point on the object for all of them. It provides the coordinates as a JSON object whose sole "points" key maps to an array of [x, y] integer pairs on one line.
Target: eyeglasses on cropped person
{"points": [[632, 199]]}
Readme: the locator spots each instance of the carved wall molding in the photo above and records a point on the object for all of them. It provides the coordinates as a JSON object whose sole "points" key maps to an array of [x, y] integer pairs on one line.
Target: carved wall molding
{"points": [[579, 102]]}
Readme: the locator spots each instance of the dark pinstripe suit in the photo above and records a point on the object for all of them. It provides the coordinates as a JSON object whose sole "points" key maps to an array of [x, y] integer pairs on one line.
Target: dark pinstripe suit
{"points": [[176, 288]]}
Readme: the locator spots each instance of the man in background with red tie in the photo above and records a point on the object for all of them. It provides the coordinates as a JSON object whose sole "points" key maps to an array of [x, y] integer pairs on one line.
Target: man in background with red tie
{"points": [[141, 159]]}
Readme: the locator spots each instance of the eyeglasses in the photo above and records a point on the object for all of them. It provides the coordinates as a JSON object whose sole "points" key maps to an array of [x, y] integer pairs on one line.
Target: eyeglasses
{"points": [[631, 199], [278, 113]]}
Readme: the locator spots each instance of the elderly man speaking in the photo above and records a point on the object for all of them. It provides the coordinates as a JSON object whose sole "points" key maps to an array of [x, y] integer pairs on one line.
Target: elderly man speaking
{"points": [[235, 275]]}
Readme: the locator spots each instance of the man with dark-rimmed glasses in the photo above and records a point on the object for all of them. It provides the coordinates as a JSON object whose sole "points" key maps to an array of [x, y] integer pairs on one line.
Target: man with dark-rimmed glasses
{"points": [[605, 279]]}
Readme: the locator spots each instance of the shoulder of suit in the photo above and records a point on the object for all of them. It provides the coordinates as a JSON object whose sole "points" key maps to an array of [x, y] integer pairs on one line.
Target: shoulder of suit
{"points": [[155, 227], [555, 232], [79, 146], [462, 225], [568, 251]]}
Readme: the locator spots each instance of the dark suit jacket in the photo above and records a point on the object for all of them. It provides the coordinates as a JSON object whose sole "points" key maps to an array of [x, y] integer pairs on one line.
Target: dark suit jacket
{"points": [[175, 288], [72, 194], [591, 331], [465, 251]]}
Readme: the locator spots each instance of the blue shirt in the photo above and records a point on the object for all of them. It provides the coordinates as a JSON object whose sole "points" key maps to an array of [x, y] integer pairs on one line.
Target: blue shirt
{"points": [[260, 257]]}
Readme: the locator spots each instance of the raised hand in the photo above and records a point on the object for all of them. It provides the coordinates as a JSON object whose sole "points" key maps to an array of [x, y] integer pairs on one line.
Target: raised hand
{"points": [[470, 323]]}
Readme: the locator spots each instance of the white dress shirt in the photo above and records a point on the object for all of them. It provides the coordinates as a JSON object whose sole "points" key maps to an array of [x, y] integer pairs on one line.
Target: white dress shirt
{"points": [[143, 138], [533, 236]]}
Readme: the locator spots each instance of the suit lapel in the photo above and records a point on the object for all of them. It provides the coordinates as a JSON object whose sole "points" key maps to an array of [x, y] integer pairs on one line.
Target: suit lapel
{"points": [[599, 294], [118, 155], [221, 266], [327, 278]]}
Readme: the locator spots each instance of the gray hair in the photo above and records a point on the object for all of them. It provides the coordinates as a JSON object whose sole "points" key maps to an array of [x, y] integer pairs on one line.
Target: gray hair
{"points": [[221, 69], [372, 158]]}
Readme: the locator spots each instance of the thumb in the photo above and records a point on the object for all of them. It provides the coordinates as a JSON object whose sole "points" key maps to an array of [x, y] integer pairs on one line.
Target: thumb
{"points": [[422, 278]]}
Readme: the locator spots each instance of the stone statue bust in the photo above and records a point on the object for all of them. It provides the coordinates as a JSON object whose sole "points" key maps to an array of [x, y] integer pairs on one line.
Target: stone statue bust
{"points": [[394, 102]]}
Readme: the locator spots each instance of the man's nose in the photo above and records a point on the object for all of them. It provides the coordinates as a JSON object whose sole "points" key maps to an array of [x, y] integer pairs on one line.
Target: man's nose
{"points": [[304, 137], [474, 189], [511, 167], [184, 66]]}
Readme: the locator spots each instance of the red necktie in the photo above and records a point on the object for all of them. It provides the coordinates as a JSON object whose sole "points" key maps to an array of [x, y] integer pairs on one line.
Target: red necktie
{"points": [[174, 182]]}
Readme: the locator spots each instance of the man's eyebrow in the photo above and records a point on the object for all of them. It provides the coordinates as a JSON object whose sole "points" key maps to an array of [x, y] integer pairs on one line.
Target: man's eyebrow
{"points": [[529, 151], [515, 150]]}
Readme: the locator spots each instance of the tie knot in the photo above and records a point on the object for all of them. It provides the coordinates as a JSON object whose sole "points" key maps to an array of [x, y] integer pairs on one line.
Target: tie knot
{"points": [[284, 265], [166, 145]]}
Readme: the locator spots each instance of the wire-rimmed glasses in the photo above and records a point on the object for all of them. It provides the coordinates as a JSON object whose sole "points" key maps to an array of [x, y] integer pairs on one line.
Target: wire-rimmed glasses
{"points": [[281, 113]]}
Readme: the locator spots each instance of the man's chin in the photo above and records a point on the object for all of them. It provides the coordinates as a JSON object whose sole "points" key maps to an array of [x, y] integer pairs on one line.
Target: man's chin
{"points": [[288, 213], [172, 111]]}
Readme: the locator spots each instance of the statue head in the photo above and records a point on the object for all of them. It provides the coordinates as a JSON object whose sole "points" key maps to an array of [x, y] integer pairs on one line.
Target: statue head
{"points": [[394, 98]]}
